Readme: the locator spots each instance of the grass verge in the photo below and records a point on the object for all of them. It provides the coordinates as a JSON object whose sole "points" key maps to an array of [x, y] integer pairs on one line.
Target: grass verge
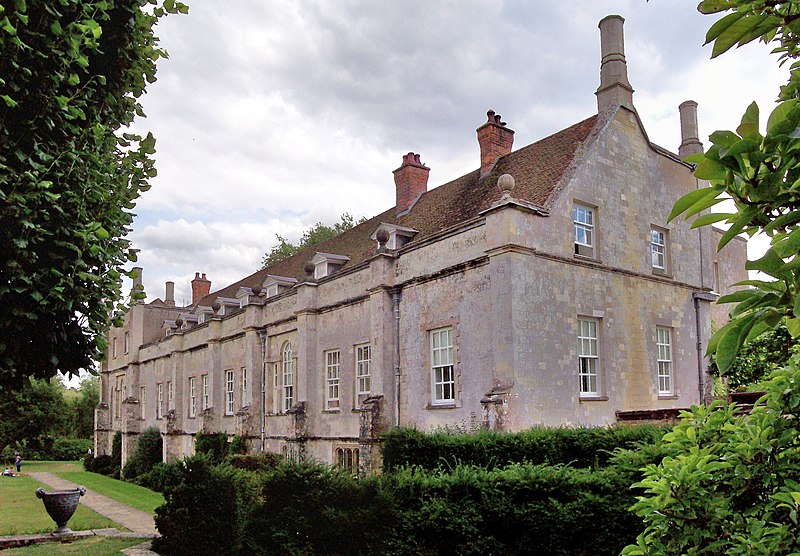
{"points": [[133, 495], [23, 513], [92, 546]]}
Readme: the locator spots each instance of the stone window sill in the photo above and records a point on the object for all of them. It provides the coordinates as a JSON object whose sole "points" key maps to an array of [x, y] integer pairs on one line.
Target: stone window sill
{"points": [[441, 406], [668, 396], [593, 399]]}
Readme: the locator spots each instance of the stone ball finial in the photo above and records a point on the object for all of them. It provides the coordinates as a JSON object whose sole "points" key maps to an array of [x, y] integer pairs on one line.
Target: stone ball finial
{"points": [[506, 183], [382, 236], [216, 305], [309, 268], [256, 289], [179, 322]]}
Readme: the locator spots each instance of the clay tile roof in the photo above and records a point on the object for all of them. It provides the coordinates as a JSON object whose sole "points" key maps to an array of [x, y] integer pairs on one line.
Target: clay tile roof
{"points": [[538, 170]]}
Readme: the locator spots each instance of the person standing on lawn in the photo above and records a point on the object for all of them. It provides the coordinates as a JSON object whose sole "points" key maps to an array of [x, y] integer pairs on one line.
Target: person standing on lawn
{"points": [[18, 463]]}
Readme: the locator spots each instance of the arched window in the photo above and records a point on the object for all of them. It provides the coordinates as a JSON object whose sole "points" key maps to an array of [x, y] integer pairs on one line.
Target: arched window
{"points": [[287, 364]]}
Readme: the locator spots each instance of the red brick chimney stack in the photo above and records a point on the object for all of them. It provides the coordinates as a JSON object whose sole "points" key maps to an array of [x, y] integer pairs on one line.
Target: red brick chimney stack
{"points": [[495, 140], [201, 287], [411, 181]]}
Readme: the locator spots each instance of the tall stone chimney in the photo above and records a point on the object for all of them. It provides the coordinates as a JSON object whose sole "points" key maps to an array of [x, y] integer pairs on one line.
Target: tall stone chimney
{"points": [[137, 286], [169, 297], [411, 181], [614, 89], [690, 140], [495, 140], [201, 287]]}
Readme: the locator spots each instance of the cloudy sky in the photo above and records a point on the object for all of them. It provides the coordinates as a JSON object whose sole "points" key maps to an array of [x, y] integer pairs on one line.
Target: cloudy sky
{"points": [[272, 115]]}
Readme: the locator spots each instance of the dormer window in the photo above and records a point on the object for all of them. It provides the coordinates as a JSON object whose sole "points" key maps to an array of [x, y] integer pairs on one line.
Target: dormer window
{"points": [[398, 235], [204, 313], [227, 305], [274, 285], [243, 295], [326, 264]]}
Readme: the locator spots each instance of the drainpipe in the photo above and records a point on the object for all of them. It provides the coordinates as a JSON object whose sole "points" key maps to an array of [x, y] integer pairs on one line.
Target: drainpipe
{"points": [[396, 298], [698, 297], [262, 335]]}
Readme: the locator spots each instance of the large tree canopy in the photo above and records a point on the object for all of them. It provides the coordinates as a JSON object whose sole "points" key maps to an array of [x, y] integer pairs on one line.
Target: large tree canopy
{"points": [[318, 233], [761, 173], [71, 72], [730, 482]]}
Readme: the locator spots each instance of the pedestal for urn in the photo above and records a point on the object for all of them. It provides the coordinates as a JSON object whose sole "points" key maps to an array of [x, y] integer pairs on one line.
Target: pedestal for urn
{"points": [[60, 506]]}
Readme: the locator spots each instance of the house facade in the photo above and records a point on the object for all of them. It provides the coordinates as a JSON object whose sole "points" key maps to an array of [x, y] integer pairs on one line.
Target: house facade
{"points": [[544, 287]]}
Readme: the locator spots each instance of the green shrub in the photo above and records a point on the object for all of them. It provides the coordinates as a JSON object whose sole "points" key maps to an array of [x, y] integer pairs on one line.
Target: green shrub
{"points": [[731, 484], [68, 449], [103, 464], [308, 508], [578, 447], [205, 510], [520, 509], [149, 452], [116, 454], [161, 476], [238, 445], [213, 445], [260, 461]]}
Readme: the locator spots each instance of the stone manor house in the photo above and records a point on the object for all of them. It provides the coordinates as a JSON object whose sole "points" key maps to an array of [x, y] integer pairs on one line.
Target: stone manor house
{"points": [[544, 287]]}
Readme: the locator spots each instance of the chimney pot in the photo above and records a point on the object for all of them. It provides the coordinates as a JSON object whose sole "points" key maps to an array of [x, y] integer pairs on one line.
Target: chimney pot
{"points": [[614, 89], [411, 181], [495, 141], [690, 140]]}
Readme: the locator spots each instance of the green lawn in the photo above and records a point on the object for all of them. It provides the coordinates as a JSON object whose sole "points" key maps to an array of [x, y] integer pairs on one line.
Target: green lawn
{"points": [[22, 513], [51, 466], [133, 495], [92, 546]]}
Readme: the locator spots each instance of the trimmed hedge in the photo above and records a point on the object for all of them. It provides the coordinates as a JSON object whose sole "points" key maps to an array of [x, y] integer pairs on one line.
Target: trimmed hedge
{"points": [[313, 509], [206, 509], [577, 447]]}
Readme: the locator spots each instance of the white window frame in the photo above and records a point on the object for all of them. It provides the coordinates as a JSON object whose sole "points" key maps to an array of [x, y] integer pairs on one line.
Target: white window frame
{"points": [[664, 360], [658, 248], [589, 356], [206, 397], [160, 400], [127, 341], [584, 230], [170, 395], [287, 382], [363, 373], [229, 392], [442, 365], [244, 386], [143, 400], [277, 389], [192, 397], [333, 367]]}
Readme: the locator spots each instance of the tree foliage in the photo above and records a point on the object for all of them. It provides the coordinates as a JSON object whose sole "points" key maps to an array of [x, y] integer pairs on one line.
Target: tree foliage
{"points": [[70, 76], [318, 233], [760, 172], [757, 359], [43, 411], [731, 485]]}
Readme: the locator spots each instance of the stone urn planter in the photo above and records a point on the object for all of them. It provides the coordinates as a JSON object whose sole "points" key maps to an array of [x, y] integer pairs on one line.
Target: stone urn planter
{"points": [[60, 506]]}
